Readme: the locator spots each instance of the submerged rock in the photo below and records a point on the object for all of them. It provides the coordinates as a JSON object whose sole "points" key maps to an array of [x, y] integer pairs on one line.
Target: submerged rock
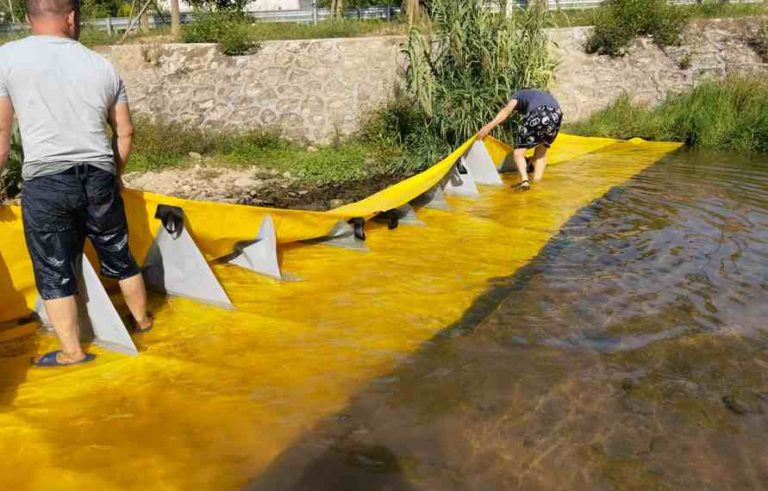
{"points": [[743, 404]]}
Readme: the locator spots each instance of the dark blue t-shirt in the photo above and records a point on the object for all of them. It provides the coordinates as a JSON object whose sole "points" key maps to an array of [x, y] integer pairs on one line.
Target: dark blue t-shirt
{"points": [[530, 99]]}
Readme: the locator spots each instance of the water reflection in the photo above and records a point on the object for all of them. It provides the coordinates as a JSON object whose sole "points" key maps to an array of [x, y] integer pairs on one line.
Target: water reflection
{"points": [[631, 354]]}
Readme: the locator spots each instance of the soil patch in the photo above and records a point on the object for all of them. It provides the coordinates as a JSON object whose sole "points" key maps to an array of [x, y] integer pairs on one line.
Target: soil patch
{"points": [[258, 187]]}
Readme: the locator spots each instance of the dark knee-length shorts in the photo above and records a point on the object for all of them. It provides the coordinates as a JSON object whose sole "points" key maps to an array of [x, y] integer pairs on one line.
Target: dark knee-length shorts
{"points": [[540, 127], [59, 212]]}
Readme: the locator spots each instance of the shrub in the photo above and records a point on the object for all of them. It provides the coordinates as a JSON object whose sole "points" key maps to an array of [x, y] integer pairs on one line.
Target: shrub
{"points": [[231, 30], [460, 76], [619, 22]]}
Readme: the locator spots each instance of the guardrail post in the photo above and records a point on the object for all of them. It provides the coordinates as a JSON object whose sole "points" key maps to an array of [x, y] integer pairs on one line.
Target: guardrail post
{"points": [[314, 12], [109, 26]]}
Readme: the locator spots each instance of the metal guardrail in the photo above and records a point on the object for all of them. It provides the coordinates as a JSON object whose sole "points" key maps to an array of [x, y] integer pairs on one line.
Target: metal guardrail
{"points": [[307, 16], [310, 16]]}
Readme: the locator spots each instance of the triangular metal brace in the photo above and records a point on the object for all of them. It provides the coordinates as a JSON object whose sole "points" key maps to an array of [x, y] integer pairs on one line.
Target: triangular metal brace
{"points": [[403, 215], [481, 166], [460, 184], [260, 255], [342, 235], [99, 322], [433, 199], [175, 266]]}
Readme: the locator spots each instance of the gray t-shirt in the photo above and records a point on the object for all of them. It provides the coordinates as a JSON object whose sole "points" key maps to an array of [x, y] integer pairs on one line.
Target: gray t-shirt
{"points": [[61, 92], [530, 99]]}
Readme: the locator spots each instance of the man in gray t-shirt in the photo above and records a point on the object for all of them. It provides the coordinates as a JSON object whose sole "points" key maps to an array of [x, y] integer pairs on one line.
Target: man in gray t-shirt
{"points": [[542, 118], [66, 98]]}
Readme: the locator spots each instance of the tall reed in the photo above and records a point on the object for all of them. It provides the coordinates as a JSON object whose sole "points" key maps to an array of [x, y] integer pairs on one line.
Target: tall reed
{"points": [[462, 70]]}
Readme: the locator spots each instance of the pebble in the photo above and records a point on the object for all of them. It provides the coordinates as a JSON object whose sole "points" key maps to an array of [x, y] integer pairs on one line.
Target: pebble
{"points": [[196, 156], [244, 182]]}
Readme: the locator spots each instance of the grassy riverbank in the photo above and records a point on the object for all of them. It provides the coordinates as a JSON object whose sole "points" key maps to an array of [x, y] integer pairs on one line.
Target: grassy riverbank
{"points": [[725, 115]]}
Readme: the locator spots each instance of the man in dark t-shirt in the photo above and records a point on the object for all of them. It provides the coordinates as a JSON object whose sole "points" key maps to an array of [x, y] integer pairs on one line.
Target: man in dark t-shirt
{"points": [[542, 118]]}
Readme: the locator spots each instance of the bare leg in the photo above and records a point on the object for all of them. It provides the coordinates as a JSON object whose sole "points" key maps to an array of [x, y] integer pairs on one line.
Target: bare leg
{"points": [[520, 163], [136, 298], [62, 313], [539, 162]]}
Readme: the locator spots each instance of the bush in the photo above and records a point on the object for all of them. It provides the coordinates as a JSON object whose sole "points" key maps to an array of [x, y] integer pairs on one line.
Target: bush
{"points": [[459, 77], [231, 30], [619, 22], [726, 115]]}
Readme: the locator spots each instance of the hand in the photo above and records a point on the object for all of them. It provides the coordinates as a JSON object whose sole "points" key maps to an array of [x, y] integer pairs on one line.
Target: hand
{"points": [[484, 131], [120, 184]]}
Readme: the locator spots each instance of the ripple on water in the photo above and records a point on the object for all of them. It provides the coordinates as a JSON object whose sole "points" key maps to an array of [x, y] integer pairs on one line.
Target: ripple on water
{"points": [[632, 353]]}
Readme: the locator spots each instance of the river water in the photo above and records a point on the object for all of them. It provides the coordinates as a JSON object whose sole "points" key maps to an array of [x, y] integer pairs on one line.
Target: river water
{"points": [[631, 353]]}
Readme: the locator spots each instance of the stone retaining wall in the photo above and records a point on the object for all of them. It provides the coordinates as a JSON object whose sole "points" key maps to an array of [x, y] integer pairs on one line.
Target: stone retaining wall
{"points": [[712, 49], [312, 90], [317, 90]]}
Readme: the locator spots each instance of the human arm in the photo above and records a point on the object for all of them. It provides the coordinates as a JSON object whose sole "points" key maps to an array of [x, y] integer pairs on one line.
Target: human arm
{"points": [[122, 136], [500, 118], [6, 127]]}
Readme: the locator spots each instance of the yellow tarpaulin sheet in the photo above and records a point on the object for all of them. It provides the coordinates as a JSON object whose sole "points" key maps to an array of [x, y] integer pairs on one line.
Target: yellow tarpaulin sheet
{"points": [[217, 227], [216, 395]]}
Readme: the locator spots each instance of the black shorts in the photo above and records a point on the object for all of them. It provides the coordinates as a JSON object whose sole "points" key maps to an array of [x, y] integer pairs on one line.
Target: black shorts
{"points": [[540, 127], [59, 211]]}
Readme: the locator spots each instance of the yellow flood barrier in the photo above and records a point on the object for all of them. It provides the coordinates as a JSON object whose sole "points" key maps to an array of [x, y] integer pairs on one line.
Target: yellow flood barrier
{"points": [[216, 395]]}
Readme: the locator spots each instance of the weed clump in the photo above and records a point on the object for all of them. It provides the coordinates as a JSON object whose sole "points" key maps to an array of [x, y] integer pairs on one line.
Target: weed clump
{"points": [[231, 30], [619, 22], [725, 115]]}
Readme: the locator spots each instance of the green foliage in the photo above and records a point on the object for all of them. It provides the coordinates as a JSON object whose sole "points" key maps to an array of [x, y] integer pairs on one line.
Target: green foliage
{"points": [[325, 29], [10, 177], [459, 76], [400, 134], [231, 30], [98, 9], [727, 115], [161, 146], [619, 22], [94, 37], [360, 3], [220, 5]]}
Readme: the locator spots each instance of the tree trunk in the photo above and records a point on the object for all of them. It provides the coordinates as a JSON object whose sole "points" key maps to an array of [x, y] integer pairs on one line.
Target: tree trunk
{"points": [[175, 19]]}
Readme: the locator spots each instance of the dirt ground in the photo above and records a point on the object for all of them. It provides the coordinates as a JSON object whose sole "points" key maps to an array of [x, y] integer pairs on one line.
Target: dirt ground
{"points": [[256, 187]]}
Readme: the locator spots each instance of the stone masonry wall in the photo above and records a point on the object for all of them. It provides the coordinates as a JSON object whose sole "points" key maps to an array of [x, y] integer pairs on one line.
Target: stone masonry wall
{"points": [[318, 89], [311, 90], [712, 49]]}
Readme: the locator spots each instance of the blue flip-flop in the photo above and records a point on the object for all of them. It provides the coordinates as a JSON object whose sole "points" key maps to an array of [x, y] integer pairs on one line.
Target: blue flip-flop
{"points": [[49, 360]]}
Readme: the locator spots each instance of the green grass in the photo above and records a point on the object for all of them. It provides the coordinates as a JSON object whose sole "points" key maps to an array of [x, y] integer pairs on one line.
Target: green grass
{"points": [[727, 115], [160, 146], [260, 31], [327, 29], [707, 10]]}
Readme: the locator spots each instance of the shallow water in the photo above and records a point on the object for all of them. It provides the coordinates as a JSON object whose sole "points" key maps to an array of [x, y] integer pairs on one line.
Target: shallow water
{"points": [[538, 340], [631, 353]]}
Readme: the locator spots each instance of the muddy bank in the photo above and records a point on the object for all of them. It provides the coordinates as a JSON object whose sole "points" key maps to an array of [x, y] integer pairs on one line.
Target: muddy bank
{"points": [[257, 187]]}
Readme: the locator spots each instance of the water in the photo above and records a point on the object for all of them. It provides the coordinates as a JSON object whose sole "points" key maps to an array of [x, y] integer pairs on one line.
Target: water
{"points": [[632, 353]]}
